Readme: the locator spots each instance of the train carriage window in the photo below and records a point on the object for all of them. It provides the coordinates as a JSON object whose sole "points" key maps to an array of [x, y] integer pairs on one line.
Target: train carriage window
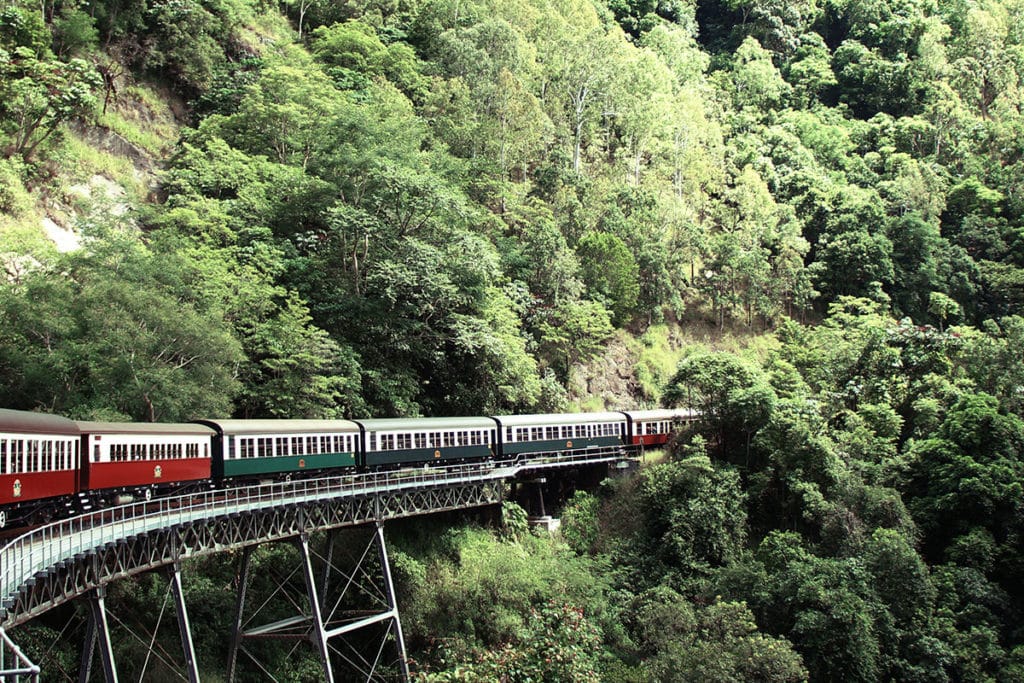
{"points": [[246, 448], [17, 455], [3, 456], [298, 445], [421, 440]]}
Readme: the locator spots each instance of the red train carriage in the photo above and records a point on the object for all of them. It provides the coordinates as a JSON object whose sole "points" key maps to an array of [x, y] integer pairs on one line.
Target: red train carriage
{"points": [[653, 427], [38, 466], [126, 460]]}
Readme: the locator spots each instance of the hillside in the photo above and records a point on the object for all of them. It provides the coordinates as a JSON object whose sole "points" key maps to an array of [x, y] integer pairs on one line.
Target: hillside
{"points": [[803, 219], [443, 208]]}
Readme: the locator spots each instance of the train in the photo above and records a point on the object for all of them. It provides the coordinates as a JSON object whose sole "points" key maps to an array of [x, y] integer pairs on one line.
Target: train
{"points": [[53, 467]]}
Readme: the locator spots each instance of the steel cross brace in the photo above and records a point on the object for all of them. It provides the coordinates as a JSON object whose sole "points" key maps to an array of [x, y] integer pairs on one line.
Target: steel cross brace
{"points": [[316, 623]]}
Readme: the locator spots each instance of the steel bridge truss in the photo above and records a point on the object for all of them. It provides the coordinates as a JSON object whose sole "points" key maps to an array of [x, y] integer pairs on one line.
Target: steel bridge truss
{"points": [[82, 556], [345, 603]]}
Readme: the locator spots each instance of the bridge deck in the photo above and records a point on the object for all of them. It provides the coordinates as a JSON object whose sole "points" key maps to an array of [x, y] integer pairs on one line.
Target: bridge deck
{"points": [[57, 562]]}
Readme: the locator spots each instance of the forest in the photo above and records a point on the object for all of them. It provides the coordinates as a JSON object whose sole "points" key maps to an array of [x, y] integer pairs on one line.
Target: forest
{"points": [[803, 219]]}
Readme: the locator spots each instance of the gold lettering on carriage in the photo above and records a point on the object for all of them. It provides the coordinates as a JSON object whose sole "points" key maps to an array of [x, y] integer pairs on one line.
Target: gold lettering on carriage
{"points": [[158, 472], [17, 488]]}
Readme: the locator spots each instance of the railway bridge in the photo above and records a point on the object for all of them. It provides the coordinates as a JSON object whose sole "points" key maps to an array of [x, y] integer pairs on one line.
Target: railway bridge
{"points": [[78, 558]]}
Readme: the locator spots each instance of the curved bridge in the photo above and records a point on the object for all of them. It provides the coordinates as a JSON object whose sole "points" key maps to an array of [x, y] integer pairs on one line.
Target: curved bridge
{"points": [[64, 560]]}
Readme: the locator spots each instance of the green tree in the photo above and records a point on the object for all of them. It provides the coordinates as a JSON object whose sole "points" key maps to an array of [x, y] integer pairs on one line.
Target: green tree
{"points": [[610, 273], [38, 96]]}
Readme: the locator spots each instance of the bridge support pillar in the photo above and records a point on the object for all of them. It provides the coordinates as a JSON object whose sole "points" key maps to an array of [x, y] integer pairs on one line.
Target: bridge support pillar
{"points": [[98, 634], [236, 631], [318, 632], [348, 610], [184, 628], [396, 622]]}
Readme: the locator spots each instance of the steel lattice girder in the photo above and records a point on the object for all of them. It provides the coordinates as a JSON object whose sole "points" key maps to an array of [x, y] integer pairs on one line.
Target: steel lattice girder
{"points": [[75, 576]]}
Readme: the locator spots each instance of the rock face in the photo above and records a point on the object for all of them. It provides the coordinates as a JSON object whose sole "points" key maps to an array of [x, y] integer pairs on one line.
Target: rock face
{"points": [[609, 377], [65, 239], [115, 144], [100, 195]]}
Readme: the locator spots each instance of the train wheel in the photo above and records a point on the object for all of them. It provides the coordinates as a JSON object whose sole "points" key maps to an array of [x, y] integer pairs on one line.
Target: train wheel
{"points": [[149, 494], [3, 519]]}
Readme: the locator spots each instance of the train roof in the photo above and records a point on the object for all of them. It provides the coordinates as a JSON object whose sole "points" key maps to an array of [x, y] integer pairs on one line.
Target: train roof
{"points": [[551, 419], [25, 422], [426, 423], [282, 426], [150, 428], [660, 414]]}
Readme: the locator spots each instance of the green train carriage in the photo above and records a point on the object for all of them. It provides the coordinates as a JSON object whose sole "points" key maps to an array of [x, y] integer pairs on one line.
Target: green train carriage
{"points": [[394, 442], [553, 433], [256, 449]]}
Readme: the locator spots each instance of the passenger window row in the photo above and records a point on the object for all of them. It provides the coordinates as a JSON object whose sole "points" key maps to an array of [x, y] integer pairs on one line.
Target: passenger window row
{"points": [[19, 455]]}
